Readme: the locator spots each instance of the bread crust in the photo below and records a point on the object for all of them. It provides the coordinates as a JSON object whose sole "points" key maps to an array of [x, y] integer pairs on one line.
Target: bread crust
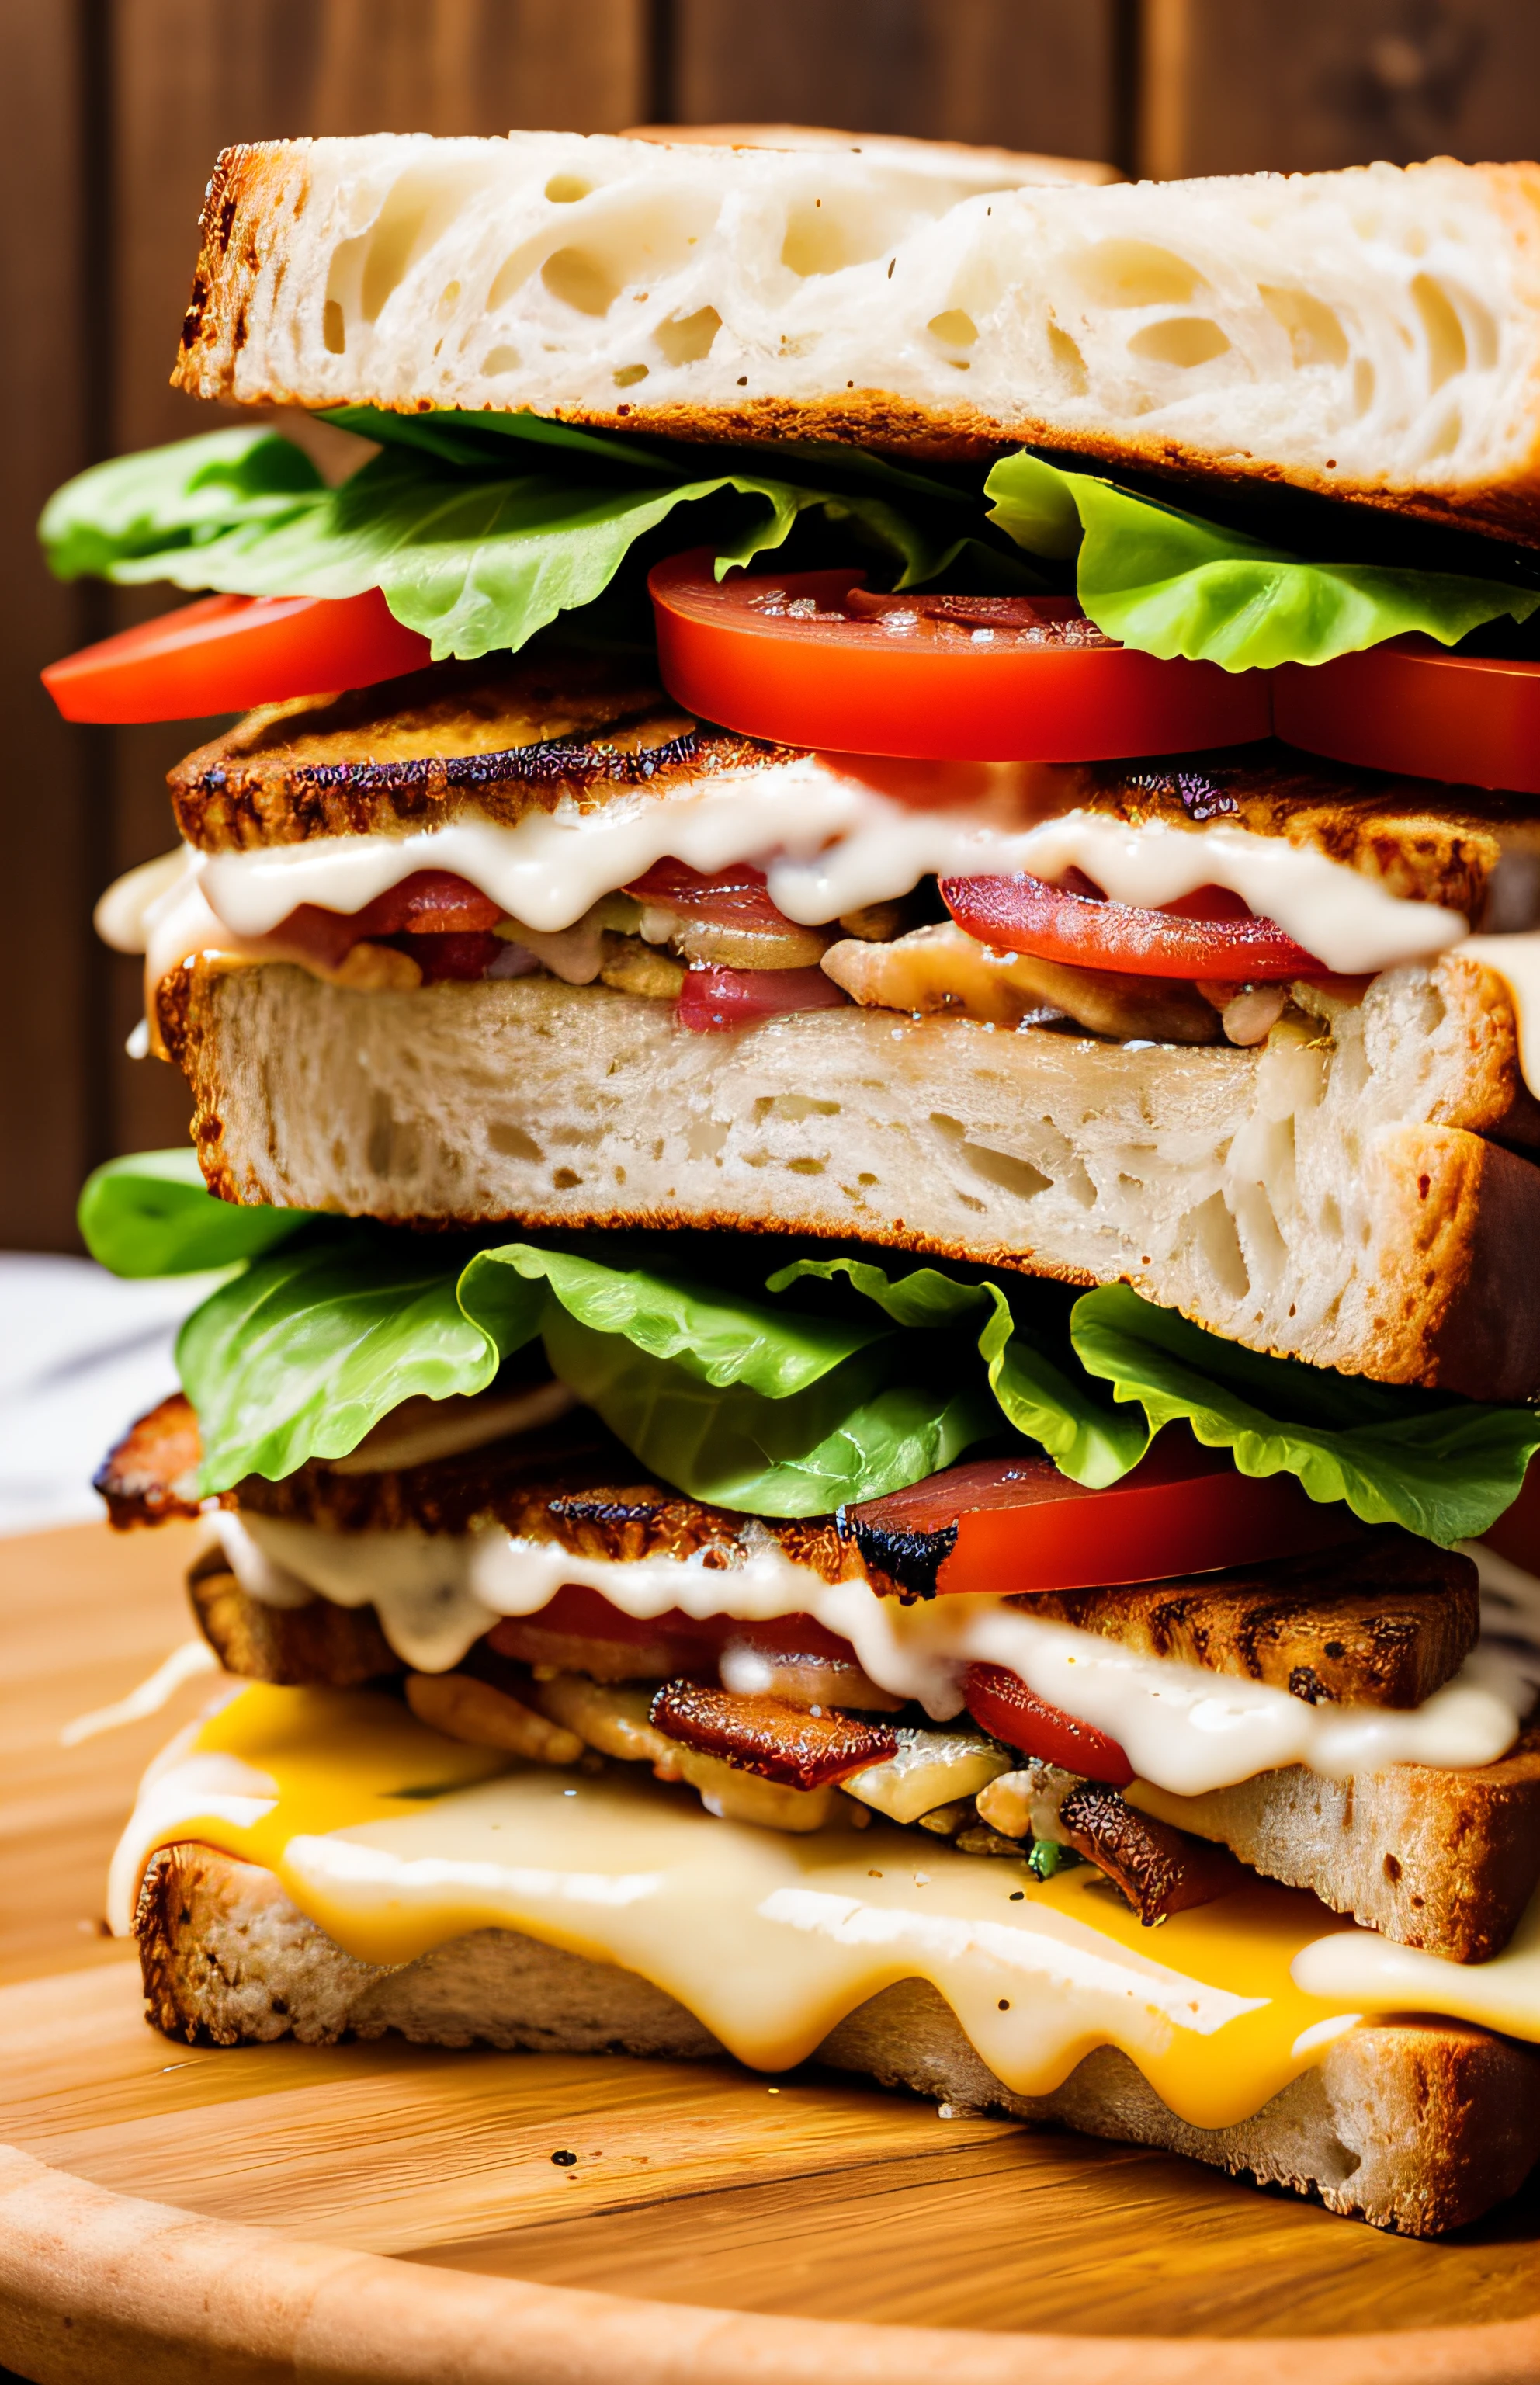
{"points": [[1440, 1859], [1415, 2127], [498, 739], [258, 193]]}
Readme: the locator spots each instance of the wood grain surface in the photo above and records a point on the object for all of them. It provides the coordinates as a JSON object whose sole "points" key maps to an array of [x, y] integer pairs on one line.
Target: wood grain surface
{"points": [[695, 2185]]}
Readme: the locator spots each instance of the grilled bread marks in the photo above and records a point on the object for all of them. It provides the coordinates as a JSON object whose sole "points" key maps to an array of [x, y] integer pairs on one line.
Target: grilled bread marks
{"points": [[1385, 1621], [489, 741], [1327, 1196], [1421, 840]]}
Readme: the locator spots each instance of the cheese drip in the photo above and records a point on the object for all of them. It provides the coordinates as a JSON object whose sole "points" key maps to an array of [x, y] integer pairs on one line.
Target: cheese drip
{"points": [[830, 841], [394, 1841], [1185, 1729]]}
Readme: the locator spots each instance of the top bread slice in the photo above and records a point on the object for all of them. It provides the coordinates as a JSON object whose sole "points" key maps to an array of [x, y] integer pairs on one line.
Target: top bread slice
{"points": [[1374, 333]]}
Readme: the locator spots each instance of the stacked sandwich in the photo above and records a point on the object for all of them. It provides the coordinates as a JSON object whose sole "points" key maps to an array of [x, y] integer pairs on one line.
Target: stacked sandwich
{"points": [[872, 1158]]}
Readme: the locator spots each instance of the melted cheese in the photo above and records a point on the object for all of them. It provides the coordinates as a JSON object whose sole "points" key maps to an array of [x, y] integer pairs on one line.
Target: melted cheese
{"points": [[830, 841], [1185, 1729], [394, 1841]]}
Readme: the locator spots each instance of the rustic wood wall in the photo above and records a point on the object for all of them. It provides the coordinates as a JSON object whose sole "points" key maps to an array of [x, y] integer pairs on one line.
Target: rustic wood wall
{"points": [[116, 111]]}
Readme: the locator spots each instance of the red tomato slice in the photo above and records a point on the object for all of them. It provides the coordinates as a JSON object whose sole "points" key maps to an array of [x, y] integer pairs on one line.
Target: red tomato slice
{"points": [[1005, 1708], [1224, 942], [716, 1000], [734, 898], [225, 654], [1411, 707], [1009, 1526], [969, 679]]}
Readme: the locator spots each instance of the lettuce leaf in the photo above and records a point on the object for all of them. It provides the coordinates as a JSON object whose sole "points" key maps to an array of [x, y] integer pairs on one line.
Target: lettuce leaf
{"points": [[476, 563], [151, 1215], [1172, 585], [1043, 1401], [834, 1380], [169, 501], [305, 1351], [1444, 1468]]}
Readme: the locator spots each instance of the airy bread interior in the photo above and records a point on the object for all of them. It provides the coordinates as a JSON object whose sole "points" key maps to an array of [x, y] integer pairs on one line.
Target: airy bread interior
{"points": [[1332, 1196], [1371, 332], [1415, 2125]]}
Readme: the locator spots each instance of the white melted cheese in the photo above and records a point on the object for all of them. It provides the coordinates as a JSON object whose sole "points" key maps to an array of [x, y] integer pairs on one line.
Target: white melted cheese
{"points": [[1184, 1727], [394, 1841], [830, 842]]}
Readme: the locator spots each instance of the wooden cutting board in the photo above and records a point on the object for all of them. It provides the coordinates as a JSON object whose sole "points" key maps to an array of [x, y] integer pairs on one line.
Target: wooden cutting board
{"points": [[372, 2212]]}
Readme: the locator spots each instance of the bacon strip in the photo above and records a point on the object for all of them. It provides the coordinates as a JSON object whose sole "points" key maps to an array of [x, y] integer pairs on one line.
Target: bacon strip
{"points": [[152, 1474], [767, 1736], [1160, 1870]]}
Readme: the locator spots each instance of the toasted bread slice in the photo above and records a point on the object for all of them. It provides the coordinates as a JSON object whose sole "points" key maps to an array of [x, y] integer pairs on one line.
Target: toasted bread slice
{"points": [[1382, 1620], [1331, 1196], [492, 740], [1434, 1858], [499, 739], [1372, 334], [1414, 2126]]}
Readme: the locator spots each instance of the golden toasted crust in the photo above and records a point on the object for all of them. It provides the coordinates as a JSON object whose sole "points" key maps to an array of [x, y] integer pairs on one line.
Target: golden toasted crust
{"points": [[503, 737], [294, 1646], [1418, 2125], [1384, 1621], [258, 190], [494, 740], [1445, 1860]]}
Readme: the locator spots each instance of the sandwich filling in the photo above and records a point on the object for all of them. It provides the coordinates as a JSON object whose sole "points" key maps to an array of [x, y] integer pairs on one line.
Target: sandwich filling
{"points": [[612, 1540]]}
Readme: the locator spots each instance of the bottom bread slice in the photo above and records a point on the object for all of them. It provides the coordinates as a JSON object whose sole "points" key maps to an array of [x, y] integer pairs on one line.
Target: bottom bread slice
{"points": [[1419, 2126]]}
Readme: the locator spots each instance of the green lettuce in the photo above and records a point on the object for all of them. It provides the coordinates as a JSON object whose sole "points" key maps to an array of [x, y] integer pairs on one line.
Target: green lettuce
{"points": [[1444, 1468], [832, 1381], [477, 561], [150, 1215], [480, 529], [1171, 584], [305, 1350]]}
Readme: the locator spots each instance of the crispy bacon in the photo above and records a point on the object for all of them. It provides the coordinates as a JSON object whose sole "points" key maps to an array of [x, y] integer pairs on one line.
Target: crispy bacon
{"points": [[1160, 1870], [152, 1474], [779, 1741]]}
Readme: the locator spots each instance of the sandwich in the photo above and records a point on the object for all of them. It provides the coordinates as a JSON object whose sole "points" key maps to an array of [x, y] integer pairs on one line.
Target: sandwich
{"points": [[854, 982]]}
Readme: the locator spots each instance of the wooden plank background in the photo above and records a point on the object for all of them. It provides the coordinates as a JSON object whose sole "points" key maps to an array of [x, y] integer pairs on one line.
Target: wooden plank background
{"points": [[116, 108]]}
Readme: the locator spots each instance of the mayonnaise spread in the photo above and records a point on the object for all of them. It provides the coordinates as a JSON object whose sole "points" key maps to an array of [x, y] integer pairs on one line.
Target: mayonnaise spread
{"points": [[1185, 1728]]}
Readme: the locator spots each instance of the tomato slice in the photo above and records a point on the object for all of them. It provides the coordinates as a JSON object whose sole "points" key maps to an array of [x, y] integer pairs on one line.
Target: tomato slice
{"points": [[1009, 1526], [1411, 706], [225, 654], [1007, 1709], [809, 658], [734, 898], [1210, 936]]}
